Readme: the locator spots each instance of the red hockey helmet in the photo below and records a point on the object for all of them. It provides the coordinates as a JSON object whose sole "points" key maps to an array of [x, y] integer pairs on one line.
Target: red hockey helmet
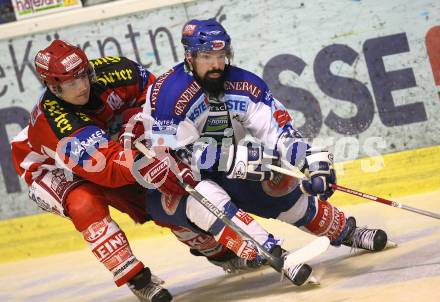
{"points": [[60, 62]]}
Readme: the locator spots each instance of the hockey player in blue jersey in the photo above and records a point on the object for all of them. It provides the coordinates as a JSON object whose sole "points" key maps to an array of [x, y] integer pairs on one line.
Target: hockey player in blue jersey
{"points": [[204, 110]]}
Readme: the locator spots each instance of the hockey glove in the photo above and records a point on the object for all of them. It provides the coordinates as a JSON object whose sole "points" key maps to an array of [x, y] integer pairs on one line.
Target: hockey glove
{"points": [[163, 172], [132, 129], [247, 162], [319, 169]]}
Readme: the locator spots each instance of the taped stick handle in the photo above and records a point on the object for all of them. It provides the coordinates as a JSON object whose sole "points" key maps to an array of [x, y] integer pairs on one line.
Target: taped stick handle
{"points": [[276, 262], [298, 174]]}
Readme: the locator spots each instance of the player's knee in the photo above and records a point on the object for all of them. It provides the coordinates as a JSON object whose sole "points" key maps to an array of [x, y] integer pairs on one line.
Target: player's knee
{"points": [[197, 213], [199, 243], [300, 213], [327, 221], [86, 205]]}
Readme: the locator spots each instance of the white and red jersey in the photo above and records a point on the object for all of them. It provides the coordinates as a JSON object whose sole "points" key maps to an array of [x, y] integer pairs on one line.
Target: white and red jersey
{"points": [[60, 133], [28, 163]]}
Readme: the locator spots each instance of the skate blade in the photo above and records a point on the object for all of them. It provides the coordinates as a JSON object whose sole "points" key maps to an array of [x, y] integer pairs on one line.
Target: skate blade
{"points": [[312, 280], [390, 244]]}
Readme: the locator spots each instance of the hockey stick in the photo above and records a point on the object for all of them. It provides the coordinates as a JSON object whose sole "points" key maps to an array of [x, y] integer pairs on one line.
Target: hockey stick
{"points": [[385, 201], [316, 247], [299, 174], [276, 262]]}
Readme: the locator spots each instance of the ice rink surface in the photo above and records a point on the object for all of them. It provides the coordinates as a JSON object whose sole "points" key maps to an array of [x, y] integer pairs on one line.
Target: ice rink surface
{"points": [[410, 272]]}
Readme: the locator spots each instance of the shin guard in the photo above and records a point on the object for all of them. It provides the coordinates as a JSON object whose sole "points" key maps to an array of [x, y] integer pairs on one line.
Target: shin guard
{"points": [[208, 222], [110, 245], [241, 247], [203, 243], [328, 221]]}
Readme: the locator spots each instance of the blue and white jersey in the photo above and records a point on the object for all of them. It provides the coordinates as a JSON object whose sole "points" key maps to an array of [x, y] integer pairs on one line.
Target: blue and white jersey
{"points": [[180, 110]]}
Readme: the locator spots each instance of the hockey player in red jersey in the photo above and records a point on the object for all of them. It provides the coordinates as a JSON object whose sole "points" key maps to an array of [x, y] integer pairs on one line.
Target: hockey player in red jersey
{"points": [[72, 166]]}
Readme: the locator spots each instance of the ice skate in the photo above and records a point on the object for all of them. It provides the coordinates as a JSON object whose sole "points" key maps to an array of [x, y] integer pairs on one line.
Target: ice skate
{"points": [[298, 274], [363, 238], [237, 265], [147, 287], [231, 263]]}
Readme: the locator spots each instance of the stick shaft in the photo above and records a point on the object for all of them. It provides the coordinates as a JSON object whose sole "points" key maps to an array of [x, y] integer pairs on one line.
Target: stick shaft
{"points": [[275, 262], [385, 201], [395, 204]]}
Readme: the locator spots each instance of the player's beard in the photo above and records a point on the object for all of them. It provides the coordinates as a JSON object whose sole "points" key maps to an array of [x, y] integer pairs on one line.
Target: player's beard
{"points": [[215, 87]]}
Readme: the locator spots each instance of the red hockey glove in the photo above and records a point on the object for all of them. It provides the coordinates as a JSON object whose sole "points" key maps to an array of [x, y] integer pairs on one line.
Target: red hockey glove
{"points": [[161, 172], [132, 127]]}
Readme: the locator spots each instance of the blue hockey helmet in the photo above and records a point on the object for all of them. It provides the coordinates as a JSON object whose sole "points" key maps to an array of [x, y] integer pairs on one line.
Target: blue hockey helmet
{"points": [[205, 35]]}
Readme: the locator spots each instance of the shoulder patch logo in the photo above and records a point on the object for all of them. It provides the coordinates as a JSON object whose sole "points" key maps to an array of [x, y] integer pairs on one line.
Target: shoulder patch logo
{"points": [[186, 97], [243, 86], [282, 117], [156, 88]]}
